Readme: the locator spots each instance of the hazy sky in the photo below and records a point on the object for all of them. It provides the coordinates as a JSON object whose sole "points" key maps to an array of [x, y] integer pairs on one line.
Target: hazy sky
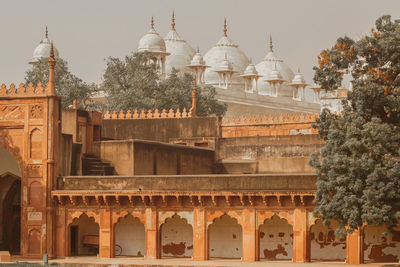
{"points": [[86, 32]]}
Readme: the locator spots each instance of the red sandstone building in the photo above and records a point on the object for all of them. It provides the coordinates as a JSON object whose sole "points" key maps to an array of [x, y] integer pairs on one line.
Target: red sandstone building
{"points": [[163, 184]]}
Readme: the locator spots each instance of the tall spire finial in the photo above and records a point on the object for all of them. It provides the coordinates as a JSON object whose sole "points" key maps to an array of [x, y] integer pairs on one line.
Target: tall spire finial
{"points": [[173, 21], [298, 69], [225, 28], [198, 50], [271, 46], [47, 33], [52, 64], [152, 22]]}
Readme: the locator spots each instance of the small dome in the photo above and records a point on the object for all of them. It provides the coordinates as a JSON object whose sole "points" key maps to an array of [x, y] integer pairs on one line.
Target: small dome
{"points": [[216, 55], [267, 65], [180, 51], [250, 70], [298, 79], [225, 65], [152, 41], [274, 75], [197, 60], [43, 49]]}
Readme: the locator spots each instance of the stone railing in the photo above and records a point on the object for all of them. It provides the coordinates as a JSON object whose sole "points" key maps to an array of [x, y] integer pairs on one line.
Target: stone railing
{"points": [[149, 114], [271, 119], [23, 91]]}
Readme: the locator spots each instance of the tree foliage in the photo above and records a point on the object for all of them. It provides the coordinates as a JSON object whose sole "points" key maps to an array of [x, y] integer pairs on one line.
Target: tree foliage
{"points": [[67, 85], [358, 169], [133, 83]]}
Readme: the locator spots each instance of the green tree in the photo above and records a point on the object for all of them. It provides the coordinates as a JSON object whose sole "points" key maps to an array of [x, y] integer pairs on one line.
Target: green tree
{"points": [[133, 83], [67, 85], [358, 169]]}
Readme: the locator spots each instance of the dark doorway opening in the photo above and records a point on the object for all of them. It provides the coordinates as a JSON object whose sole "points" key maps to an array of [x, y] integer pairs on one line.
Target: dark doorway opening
{"points": [[74, 240]]}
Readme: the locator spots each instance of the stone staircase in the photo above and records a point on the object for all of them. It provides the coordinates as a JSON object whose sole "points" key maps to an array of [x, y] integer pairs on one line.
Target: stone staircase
{"points": [[92, 165]]}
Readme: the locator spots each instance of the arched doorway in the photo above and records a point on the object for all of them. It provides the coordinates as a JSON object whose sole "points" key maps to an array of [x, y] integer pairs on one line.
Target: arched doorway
{"points": [[276, 239], [325, 244], [380, 245], [83, 236], [130, 237], [225, 238], [10, 207], [176, 237]]}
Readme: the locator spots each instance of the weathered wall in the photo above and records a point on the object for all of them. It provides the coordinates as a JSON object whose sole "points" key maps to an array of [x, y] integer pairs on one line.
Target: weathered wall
{"points": [[130, 236], [161, 129], [268, 154], [65, 155], [139, 157], [381, 248], [225, 235], [286, 182], [276, 239], [326, 244], [176, 238]]}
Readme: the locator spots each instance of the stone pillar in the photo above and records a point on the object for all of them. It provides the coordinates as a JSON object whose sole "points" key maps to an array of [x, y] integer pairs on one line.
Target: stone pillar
{"points": [[152, 239], [200, 250], [354, 245], [249, 246], [300, 235], [61, 233], [105, 248]]}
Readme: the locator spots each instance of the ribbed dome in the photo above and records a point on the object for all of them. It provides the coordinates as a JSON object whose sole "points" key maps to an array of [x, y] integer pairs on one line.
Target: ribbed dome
{"points": [[216, 55], [180, 51], [43, 49], [197, 60], [298, 79], [265, 68], [152, 41]]}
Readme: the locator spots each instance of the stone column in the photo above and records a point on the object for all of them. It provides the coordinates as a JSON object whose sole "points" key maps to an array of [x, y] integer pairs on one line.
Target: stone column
{"points": [[199, 234], [105, 234], [354, 245], [249, 246], [61, 233], [300, 235], [152, 234]]}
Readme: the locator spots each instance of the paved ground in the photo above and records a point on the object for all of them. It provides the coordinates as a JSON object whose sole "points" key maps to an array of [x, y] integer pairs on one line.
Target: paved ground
{"points": [[94, 261]]}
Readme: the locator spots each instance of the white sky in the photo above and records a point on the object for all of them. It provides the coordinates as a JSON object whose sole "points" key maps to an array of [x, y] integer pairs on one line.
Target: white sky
{"points": [[86, 32]]}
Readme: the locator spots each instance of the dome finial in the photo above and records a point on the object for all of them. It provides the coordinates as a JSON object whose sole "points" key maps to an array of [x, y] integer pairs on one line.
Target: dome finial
{"points": [[298, 69], [173, 21], [198, 50], [225, 28], [271, 46], [152, 22], [47, 33]]}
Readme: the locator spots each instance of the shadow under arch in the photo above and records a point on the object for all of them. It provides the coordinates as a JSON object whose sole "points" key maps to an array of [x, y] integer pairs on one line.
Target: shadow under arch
{"points": [[83, 233], [276, 239], [129, 237], [176, 237], [225, 238], [10, 194]]}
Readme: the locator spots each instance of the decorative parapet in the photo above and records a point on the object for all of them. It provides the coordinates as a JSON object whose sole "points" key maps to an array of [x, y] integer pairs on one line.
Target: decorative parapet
{"points": [[149, 114], [270, 119], [23, 91]]}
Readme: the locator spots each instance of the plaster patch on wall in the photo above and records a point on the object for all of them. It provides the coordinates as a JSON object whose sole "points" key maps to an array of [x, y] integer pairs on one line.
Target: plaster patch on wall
{"points": [[225, 235], [177, 237], [276, 239], [325, 244], [381, 248]]}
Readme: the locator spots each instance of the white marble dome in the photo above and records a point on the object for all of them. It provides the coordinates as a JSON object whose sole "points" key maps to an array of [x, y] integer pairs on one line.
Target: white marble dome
{"points": [[181, 53], [267, 65], [43, 50], [216, 55], [152, 41]]}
